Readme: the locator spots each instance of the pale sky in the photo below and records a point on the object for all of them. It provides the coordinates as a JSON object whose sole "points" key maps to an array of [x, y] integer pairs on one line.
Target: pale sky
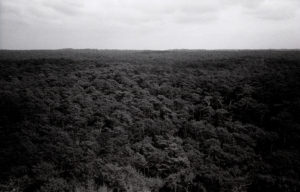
{"points": [[150, 24]]}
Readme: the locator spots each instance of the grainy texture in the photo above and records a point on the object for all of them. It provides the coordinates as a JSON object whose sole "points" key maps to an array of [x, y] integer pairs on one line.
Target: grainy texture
{"points": [[89, 120]]}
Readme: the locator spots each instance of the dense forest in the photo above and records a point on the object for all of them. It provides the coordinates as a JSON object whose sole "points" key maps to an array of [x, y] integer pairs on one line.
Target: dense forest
{"points": [[141, 121]]}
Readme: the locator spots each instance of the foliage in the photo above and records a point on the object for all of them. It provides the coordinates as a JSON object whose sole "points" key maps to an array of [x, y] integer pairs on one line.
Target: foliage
{"points": [[89, 120]]}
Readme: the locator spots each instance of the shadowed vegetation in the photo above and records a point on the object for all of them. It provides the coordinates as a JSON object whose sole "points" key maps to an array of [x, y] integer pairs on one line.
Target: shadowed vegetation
{"points": [[89, 120]]}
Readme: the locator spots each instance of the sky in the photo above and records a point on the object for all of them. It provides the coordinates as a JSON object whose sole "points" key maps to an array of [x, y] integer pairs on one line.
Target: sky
{"points": [[150, 24]]}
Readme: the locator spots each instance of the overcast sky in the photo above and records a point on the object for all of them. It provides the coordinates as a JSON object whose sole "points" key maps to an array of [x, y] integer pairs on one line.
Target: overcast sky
{"points": [[149, 24]]}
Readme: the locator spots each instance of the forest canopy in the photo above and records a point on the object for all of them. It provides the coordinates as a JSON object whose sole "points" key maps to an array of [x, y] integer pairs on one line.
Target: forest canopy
{"points": [[178, 120]]}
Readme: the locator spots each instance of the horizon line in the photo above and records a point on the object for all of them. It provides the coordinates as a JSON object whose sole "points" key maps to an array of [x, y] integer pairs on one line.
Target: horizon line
{"points": [[177, 49]]}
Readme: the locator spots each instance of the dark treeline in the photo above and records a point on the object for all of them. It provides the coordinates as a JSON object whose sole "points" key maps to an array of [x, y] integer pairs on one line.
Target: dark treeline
{"points": [[207, 121]]}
